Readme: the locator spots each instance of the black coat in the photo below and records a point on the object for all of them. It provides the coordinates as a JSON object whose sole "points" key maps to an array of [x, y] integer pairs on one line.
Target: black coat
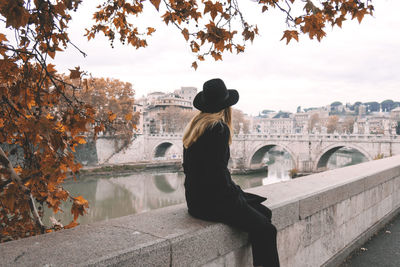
{"points": [[209, 187]]}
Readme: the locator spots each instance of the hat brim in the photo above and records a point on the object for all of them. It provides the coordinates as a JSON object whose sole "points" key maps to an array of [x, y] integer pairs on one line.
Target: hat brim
{"points": [[199, 103]]}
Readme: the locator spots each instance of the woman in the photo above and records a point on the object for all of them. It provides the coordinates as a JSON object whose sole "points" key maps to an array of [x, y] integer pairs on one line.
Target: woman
{"points": [[210, 192]]}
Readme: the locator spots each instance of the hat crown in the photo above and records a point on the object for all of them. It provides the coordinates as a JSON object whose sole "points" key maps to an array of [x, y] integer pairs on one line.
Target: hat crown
{"points": [[215, 91], [215, 97]]}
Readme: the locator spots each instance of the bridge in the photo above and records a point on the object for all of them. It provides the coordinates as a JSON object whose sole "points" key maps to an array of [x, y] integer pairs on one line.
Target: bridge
{"points": [[309, 152]]}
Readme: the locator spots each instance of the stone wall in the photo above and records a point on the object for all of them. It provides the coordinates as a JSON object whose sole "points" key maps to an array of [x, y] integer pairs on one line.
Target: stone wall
{"points": [[320, 218]]}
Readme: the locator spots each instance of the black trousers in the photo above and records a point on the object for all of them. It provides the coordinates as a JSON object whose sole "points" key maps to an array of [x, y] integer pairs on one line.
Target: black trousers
{"points": [[255, 219]]}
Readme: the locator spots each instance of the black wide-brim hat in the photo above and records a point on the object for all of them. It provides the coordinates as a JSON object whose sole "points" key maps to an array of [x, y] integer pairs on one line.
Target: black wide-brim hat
{"points": [[215, 97]]}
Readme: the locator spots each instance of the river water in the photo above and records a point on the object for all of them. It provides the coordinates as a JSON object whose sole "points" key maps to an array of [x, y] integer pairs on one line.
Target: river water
{"points": [[112, 196]]}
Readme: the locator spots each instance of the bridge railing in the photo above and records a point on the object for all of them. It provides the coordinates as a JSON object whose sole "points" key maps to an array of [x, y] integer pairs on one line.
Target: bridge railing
{"points": [[295, 136], [353, 137]]}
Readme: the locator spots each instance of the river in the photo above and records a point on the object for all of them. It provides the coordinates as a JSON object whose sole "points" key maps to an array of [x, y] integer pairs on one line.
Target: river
{"points": [[112, 196]]}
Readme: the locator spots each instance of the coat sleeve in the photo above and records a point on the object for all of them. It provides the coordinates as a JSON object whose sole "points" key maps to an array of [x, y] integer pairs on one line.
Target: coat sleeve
{"points": [[218, 162]]}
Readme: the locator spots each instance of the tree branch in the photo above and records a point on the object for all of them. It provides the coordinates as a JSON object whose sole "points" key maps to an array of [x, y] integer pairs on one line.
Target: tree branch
{"points": [[5, 162]]}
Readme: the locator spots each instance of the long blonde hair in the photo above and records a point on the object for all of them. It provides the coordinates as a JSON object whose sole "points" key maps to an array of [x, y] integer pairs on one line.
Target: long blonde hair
{"points": [[201, 121]]}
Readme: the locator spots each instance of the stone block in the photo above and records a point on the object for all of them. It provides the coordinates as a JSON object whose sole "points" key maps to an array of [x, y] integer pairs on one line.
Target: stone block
{"points": [[384, 207], [371, 216], [285, 215], [290, 239], [218, 262], [331, 243], [313, 228], [343, 212], [382, 176], [87, 245], [387, 188], [199, 247], [167, 222], [310, 205], [342, 192], [372, 196], [329, 219], [396, 200], [303, 258], [396, 184], [157, 254], [357, 204], [321, 253], [241, 257]]}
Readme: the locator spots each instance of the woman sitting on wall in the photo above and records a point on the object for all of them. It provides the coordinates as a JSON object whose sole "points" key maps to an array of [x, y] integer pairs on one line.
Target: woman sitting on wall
{"points": [[210, 192]]}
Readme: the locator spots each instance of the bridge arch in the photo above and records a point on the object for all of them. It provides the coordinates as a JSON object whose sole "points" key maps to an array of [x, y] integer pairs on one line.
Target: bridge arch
{"points": [[167, 183], [323, 157], [161, 149], [257, 154]]}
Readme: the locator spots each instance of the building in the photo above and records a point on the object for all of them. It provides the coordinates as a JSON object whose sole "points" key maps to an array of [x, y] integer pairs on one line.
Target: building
{"points": [[157, 104], [140, 123], [187, 93], [395, 114]]}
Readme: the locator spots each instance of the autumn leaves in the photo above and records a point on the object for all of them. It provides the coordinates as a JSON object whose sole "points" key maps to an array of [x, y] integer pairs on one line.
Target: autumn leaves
{"points": [[331, 12]]}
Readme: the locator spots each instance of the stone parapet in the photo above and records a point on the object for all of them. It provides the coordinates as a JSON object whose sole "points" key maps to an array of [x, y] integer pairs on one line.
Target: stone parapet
{"points": [[320, 218]]}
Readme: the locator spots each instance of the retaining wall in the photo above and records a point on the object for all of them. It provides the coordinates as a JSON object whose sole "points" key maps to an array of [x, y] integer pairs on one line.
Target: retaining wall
{"points": [[320, 218]]}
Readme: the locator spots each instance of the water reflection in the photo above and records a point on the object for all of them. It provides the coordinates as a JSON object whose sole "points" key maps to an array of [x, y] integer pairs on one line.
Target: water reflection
{"points": [[116, 196], [279, 164], [345, 157]]}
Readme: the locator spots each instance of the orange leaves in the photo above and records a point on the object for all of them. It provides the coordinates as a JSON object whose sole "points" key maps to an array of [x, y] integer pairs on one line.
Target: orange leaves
{"points": [[239, 49], [156, 4], [339, 20], [313, 25], [185, 34], [75, 73], [128, 117], [111, 116], [2, 37], [289, 35], [150, 30], [15, 13], [51, 69], [80, 139], [194, 65], [213, 8], [79, 206], [72, 224], [216, 55], [359, 14]]}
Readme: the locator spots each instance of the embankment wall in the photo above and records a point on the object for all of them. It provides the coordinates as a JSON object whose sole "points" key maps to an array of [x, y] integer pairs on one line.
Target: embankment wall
{"points": [[320, 219]]}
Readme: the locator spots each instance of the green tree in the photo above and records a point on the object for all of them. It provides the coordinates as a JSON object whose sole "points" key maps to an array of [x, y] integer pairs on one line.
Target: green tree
{"points": [[387, 105]]}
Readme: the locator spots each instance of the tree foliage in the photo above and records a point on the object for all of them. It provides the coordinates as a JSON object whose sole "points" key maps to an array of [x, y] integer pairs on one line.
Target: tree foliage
{"points": [[47, 116], [372, 106], [173, 119], [313, 121], [388, 105], [239, 122], [332, 124], [212, 27]]}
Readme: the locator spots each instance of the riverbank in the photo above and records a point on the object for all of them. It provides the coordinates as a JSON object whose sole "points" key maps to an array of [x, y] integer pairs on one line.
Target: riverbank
{"points": [[173, 165]]}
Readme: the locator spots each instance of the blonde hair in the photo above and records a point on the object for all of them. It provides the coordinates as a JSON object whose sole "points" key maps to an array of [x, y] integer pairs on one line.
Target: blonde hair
{"points": [[201, 121]]}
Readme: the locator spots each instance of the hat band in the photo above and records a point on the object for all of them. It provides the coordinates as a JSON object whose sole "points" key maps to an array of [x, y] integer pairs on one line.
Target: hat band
{"points": [[213, 101]]}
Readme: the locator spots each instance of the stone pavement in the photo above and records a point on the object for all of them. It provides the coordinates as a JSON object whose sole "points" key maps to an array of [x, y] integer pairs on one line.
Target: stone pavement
{"points": [[383, 249]]}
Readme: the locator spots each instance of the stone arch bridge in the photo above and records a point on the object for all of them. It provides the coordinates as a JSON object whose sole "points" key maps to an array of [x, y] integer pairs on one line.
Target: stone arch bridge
{"points": [[310, 153]]}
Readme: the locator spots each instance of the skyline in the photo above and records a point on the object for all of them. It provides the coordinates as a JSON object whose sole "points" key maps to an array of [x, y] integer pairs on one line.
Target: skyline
{"points": [[357, 63]]}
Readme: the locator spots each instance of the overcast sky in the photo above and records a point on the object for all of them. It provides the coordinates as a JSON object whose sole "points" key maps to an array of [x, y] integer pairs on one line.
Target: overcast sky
{"points": [[356, 63]]}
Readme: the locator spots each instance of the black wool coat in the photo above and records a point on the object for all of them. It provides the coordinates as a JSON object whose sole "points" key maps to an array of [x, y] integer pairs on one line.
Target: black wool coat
{"points": [[209, 189]]}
